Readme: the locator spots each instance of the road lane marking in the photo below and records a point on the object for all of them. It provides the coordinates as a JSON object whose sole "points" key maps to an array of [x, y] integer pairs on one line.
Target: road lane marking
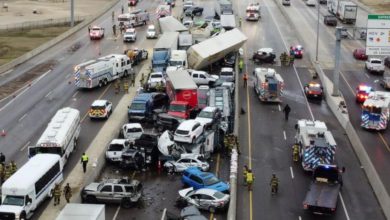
{"points": [[26, 145], [8, 71], [249, 148], [345, 209], [47, 95], [101, 95], [384, 142], [284, 135], [299, 218], [280, 108], [216, 174], [292, 173], [74, 95], [21, 118], [367, 75], [116, 213]]}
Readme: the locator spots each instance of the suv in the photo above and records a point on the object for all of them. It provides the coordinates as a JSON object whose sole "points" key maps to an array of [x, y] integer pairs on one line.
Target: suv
{"points": [[120, 191], [202, 77], [375, 65], [130, 35], [330, 20], [100, 109], [115, 149], [96, 32], [197, 179], [188, 131]]}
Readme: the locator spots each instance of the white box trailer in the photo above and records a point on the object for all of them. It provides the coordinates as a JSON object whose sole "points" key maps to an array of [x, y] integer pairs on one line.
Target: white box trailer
{"points": [[77, 211], [228, 21], [347, 12], [213, 49]]}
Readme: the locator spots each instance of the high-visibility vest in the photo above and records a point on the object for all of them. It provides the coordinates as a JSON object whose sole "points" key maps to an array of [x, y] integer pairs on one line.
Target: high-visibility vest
{"points": [[84, 158], [249, 177]]}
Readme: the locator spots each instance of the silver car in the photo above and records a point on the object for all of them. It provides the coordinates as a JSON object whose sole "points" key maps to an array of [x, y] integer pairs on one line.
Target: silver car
{"points": [[184, 163], [206, 199]]}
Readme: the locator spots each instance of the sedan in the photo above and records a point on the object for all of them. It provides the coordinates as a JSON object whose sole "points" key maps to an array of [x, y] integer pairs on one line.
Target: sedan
{"points": [[184, 163], [360, 54], [194, 11], [264, 55], [206, 199], [188, 131]]}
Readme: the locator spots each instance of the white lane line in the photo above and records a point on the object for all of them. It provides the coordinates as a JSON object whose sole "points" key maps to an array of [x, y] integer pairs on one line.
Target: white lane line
{"points": [[61, 58], [26, 145], [21, 118], [292, 173], [280, 108], [299, 218], [116, 213], [367, 75], [74, 95], [8, 71], [287, 49], [47, 95], [284, 135], [344, 208]]}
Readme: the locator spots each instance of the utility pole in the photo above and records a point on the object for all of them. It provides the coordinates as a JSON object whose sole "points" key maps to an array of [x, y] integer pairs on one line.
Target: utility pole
{"points": [[336, 73], [318, 28], [71, 13]]}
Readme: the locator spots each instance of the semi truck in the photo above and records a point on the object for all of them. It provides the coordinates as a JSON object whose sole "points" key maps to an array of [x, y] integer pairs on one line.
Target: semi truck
{"points": [[316, 144], [376, 111], [178, 60], [228, 21], [268, 85], [99, 72], [344, 10], [213, 49], [135, 18], [223, 7], [324, 190], [162, 50]]}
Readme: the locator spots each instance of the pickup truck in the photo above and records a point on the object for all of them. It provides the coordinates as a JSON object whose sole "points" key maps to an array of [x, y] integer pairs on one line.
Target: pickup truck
{"points": [[202, 77], [324, 190], [120, 191], [375, 65]]}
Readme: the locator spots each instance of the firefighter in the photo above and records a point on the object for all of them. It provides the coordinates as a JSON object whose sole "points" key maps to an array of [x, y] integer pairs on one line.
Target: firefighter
{"points": [[245, 172], [274, 184], [117, 86], [67, 192], [57, 194], [2, 158], [114, 29], [13, 167], [237, 143], [7, 172], [249, 179], [283, 59], [295, 152], [292, 60], [123, 9], [126, 86], [141, 81], [245, 78], [241, 65], [286, 111], [240, 22], [131, 55]]}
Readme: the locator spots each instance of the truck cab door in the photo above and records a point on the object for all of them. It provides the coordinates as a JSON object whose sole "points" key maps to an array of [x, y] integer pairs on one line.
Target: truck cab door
{"points": [[31, 151]]}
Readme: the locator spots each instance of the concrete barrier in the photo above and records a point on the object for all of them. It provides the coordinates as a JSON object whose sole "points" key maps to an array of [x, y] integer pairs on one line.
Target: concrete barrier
{"points": [[54, 41]]}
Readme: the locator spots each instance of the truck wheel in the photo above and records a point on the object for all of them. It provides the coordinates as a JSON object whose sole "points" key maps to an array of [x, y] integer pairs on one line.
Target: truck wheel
{"points": [[126, 203], [23, 216], [125, 74], [100, 83], [90, 199], [105, 82]]}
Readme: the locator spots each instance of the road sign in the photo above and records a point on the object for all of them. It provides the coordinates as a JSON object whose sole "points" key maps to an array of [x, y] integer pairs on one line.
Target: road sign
{"points": [[378, 35]]}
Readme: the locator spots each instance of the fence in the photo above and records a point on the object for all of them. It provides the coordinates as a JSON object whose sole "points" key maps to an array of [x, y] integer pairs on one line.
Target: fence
{"points": [[41, 23]]}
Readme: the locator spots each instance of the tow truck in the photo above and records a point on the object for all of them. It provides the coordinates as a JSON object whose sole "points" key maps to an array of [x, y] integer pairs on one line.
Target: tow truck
{"points": [[362, 92], [376, 111]]}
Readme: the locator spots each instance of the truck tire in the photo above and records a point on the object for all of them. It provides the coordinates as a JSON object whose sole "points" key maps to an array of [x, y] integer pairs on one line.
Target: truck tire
{"points": [[100, 84], [126, 203], [105, 82], [23, 216]]}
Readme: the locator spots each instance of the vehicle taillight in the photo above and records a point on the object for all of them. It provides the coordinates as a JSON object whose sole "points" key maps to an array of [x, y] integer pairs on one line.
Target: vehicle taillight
{"points": [[305, 206]]}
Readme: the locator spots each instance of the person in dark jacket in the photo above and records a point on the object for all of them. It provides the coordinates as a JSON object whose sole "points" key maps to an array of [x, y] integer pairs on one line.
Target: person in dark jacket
{"points": [[286, 111]]}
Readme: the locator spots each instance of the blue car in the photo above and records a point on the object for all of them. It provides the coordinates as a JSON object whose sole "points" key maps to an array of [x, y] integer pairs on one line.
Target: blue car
{"points": [[198, 179]]}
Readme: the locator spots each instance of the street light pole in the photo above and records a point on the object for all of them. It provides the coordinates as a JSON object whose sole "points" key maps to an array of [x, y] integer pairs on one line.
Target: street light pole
{"points": [[318, 28], [71, 13], [336, 73]]}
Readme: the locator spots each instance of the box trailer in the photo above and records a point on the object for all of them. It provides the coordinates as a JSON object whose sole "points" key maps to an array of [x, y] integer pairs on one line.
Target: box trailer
{"points": [[77, 211]]}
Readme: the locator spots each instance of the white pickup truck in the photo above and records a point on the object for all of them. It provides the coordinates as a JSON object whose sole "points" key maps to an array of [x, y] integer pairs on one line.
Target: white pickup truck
{"points": [[375, 65]]}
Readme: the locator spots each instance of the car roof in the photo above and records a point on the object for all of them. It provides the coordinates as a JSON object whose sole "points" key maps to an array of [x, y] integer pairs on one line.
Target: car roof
{"points": [[130, 30], [118, 141], [206, 191], [227, 69], [209, 109], [187, 124], [157, 73], [267, 50], [100, 102]]}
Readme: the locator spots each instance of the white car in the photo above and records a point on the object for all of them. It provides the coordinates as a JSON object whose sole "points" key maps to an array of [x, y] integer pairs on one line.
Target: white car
{"points": [[208, 115], [187, 5], [206, 199], [155, 78], [130, 35], [188, 131], [100, 109], [132, 131], [96, 32], [115, 149], [151, 32], [227, 74], [202, 77], [184, 163], [311, 2], [375, 65], [188, 23]]}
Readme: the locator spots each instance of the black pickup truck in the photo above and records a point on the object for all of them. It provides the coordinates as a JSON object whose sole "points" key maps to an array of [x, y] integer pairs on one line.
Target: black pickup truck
{"points": [[324, 189]]}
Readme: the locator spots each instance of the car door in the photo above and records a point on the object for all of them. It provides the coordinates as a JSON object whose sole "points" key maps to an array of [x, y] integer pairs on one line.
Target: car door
{"points": [[196, 182], [183, 164], [105, 194], [205, 201], [203, 79], [118, 193], [195, 76], [194, 163]]}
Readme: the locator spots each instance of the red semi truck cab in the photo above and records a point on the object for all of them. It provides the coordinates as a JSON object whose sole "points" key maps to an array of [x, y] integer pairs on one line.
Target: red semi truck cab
{"points": [[183, 93]]}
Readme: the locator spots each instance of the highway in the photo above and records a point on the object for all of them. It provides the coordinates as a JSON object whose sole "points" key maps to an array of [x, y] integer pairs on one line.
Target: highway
{"points": [[265, 137]]}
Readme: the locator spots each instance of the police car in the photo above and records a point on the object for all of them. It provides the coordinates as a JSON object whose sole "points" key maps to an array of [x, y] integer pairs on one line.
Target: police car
{"points": [[362, 92], [100, 109], [298, 51], [313, 90]]}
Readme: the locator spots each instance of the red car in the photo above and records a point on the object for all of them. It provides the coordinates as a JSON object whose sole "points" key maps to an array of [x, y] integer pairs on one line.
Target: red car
{"points": [[362, 92], [297, 51], [313, 90], [132, 2], [360, 54]]}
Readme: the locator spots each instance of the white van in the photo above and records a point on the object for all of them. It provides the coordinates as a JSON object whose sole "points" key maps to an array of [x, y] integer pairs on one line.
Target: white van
{"points": [[29, 186]]}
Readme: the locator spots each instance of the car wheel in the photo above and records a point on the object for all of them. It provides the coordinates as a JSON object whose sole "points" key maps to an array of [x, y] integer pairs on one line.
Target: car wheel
{"points": [[90, 199], [23, 216], [126, 203], [100, 84], [105, 82]]}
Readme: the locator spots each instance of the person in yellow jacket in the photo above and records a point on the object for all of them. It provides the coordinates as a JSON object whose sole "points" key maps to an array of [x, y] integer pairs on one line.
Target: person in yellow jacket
{"points": [[245, 172], [274, 184], [249, 179], [7, 172], [13, 167], [57, 194], [295, 153]]}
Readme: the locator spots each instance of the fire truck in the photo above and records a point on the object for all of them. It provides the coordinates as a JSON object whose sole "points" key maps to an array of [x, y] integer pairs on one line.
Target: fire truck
{"points": [[135, 18], [316, 144], [375, 111], [268, 85], [362, 92], [253, 12]]}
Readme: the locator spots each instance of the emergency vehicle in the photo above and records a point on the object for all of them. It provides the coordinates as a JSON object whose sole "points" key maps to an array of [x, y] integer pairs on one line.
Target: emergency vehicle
{"points": [[163, 11], [362, 92], [101, 71], [375, 111], [316, 143], [268, 85], [253, 12], [96, 33], [134, 18]]}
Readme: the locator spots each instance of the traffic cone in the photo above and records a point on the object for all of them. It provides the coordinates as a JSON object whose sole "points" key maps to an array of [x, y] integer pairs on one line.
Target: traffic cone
{"points": [[3, 133]]}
